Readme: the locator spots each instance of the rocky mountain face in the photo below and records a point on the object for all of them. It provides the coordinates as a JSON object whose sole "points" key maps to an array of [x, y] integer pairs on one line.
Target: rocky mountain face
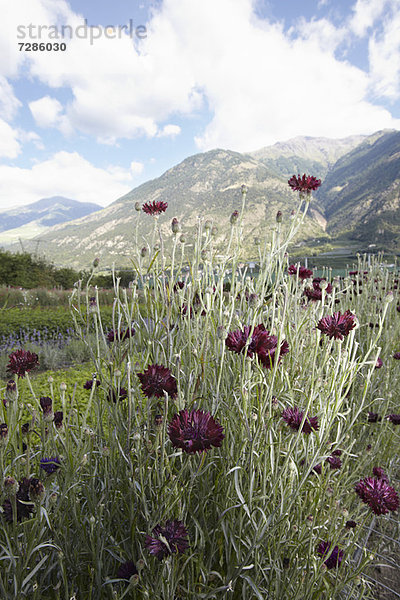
{"points": [[205, 186], [27, 221], [360, 195], [358, 200]]}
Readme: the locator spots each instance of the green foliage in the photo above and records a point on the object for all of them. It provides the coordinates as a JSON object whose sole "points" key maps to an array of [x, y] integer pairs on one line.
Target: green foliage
{"points": [[25, 270], [52, 320]]}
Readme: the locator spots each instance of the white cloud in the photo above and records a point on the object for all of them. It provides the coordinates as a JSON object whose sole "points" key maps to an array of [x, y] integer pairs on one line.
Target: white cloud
{"points": [[365, 13], [9, 144], [137, 167], [260, 83], [65, 174], [384, 57], [169, 130], [46, 111]]}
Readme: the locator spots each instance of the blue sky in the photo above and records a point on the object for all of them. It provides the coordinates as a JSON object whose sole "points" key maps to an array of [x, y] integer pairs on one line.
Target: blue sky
{"points": [[101, 118]]}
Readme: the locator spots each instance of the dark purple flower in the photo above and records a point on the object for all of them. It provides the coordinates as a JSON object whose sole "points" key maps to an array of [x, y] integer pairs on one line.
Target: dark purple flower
{"points": [[315, 293], [338, 325], [304, 273], [167, 540], [120, 334], [262, 343], [379, 363], [24, 505], [334, 462], [378, 494], [126, 570], [351, 524], [195, 431], [47, 407], [22, 361], [3, 431], [305, 184], [50, 465], [36, 489], [155, 208], [395, 419], [113, 395], [373, 417], [318, 468], [379, 473], [89, 384], [293, 417], [156, 380], [396, 355], [335, 556], [58, 418]]}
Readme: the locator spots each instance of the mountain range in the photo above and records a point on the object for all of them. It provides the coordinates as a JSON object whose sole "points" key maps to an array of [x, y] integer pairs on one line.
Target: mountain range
{"points": [[358, 202], [26, 222]]}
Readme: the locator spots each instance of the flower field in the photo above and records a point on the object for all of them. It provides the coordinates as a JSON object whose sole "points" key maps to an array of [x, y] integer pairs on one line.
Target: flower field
{"points": [[235, 444]]}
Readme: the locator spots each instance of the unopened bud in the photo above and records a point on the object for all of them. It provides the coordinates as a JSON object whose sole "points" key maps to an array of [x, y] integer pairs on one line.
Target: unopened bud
{"points": [[182, 239], [3, 433], [138, 206], [175, 225], [143, 252], [11, 486], [243, 189], [50, 379], [36, 490], [11, 391], [234, 217], [214, 231], [96, 262], [63, 386], [279, 216]]}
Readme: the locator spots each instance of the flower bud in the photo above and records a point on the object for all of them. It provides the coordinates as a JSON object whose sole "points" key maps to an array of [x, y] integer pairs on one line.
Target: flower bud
{"points": [[279, 216], [143, 252], [243, 189], [175, 226], [11, 391], [182, 239], [207, 225], [96, 262], [214, 231], [11, 486], [3, 434], [63, 386], [50, 379], [36, 490], [138, 206], [234, 217]]}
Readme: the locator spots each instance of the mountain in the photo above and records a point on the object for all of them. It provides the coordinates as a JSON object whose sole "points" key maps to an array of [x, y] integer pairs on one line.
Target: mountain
{"points": [[28, 221], [360, 194], [358, 202], [306, 154], [205, 185]]}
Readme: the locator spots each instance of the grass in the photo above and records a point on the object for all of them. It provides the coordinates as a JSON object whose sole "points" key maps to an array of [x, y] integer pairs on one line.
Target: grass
{"points": [[254, 508]]}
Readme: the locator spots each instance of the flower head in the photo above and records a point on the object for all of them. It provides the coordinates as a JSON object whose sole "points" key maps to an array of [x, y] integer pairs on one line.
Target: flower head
{"points": [[303, 272], [315, 293], [22, 361], [155, 208], [114, 396], [293, 417], [58, 418], [126, 570], [156, 380], [379, 473], [90, 383], [47, 407], [305, 184], [24, 505], [338, 325], [262, 344], [335, 556], [168, 539], [379, 363], [50, 465], [195, 431], [120, 334], [374, 417], [396, 355], [395, 419], [334, 462], [378, 494]]}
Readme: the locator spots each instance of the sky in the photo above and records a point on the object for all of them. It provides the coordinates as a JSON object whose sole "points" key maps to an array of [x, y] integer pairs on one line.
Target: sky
{"points": [[143, 84]]}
